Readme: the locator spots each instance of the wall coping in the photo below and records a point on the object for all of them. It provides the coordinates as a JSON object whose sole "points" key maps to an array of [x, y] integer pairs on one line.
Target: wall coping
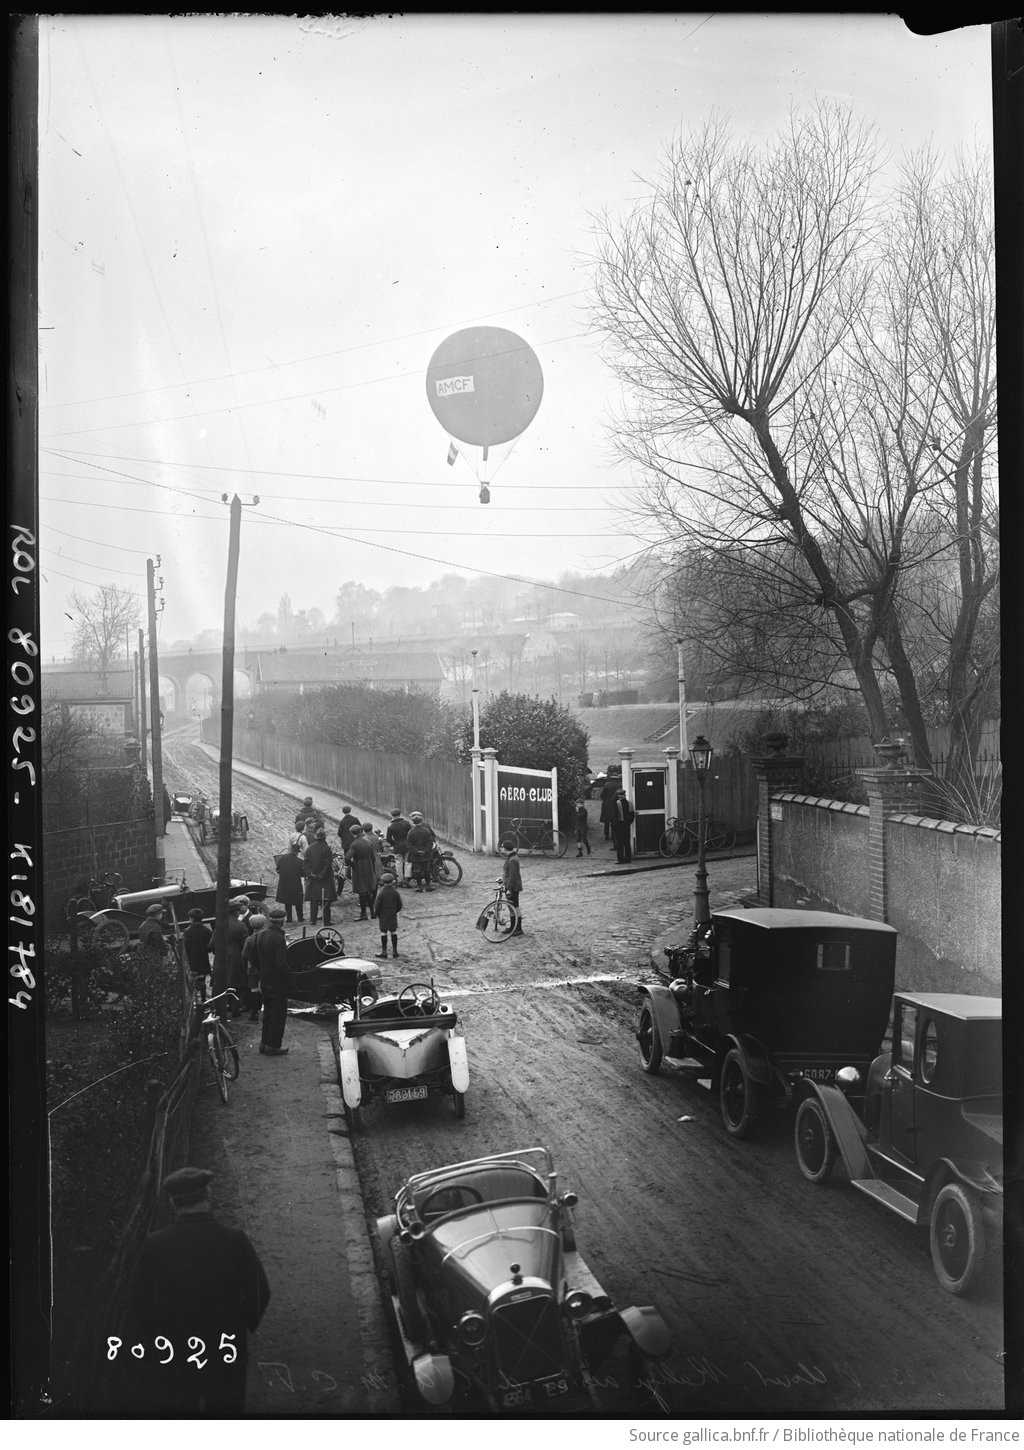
{"points": [[849, 807], [952, 827]]}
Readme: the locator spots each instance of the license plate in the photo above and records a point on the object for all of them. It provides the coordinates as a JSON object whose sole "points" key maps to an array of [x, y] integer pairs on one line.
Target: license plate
{"points": [[536, 1393], [404, 1095]]}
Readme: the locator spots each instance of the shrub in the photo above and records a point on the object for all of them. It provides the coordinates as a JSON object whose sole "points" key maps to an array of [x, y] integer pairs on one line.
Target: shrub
{"points": [[535, 734]]}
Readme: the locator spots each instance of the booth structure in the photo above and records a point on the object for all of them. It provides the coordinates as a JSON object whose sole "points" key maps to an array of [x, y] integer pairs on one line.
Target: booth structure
{"points": [[506, 793], [651, 784]]}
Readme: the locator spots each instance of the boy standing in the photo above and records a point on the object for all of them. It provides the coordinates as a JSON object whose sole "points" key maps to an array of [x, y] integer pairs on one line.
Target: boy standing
{"points": [[582, 828], [386, 906], [512, 876], [198, 938]]}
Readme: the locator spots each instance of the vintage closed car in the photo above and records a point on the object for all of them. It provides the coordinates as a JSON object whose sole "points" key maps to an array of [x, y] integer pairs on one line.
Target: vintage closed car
{"points": [[400, 1048], [491, 1295], [924, 1137], [116, 926], [766, 999]]}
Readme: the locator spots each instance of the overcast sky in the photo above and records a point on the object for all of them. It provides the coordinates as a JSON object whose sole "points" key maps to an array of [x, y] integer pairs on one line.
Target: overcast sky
{"points": [[254, 232]]}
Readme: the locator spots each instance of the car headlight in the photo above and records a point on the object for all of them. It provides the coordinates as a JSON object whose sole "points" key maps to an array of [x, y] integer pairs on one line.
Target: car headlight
{"points": [[472, 1329], [848, 1079], [578, 1303]]}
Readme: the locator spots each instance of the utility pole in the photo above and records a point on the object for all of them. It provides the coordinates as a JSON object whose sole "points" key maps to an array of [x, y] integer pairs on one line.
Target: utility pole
{"points": [[154, 706], [684, 748], [227, 725], [141, 685]]}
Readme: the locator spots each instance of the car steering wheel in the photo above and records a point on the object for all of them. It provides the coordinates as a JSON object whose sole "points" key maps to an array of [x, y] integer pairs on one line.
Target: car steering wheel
{"points": [[330, 941], [417, 999]]}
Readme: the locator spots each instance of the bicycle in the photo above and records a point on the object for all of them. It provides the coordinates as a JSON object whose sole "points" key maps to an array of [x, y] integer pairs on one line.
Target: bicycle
{"points": [[112, 936], [499, 918], [219, 1044], [444, 869], [547, 841], [681, 836]]}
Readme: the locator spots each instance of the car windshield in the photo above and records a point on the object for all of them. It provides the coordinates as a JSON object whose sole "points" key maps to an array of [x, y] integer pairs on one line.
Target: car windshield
{"points": [[496, 1184]]}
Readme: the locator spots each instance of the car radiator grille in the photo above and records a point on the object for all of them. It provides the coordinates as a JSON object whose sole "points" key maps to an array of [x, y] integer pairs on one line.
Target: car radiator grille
{"points": [[527, 1339]]}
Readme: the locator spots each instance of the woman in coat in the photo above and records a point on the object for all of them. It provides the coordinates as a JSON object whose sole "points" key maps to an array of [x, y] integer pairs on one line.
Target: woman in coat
{"points": [[289, 882], [364, 860], [320, 883]]}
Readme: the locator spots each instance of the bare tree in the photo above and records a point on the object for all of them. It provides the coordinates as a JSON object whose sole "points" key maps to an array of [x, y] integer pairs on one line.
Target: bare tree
{"points": [[104, 622], [63, 738], [791, 367]]}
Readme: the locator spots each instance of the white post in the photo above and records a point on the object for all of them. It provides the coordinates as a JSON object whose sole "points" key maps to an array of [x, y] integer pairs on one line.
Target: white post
{"points": [[478, 834], [684, 745], [554, 798], [626, 757], [672, 784], [490, 756]]}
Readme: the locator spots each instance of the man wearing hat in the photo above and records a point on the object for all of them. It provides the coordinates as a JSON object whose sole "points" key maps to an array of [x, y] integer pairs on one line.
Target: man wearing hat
{"points": [[348, 828], [622, 822], [397, 836], [151, 936], [270, 954], [198, 939], [198, 1279], [420, 846], [321, 884], [306, 812]]}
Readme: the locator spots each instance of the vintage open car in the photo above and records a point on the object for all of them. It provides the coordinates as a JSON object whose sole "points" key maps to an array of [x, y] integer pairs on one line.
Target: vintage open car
{"points": [[766, 999], [116, 926], [181, 802], [322, 976], [399, 1048], [491, 1295], [924, 1136]]}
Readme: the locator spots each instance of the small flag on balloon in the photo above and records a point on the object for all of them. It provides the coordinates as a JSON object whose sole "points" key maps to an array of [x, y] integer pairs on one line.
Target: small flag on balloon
{"points": [[453, 453]]}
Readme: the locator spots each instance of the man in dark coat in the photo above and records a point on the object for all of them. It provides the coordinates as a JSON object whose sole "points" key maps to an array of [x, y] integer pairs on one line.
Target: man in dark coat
{"points": [[622, 825], [308, 811], [198, 939], [151, 933], [348, 827], [363, 859], [289, 882], [197, 1280], [608, 793], [271, 953], [321, 885], [420, 845], [397, 835]]}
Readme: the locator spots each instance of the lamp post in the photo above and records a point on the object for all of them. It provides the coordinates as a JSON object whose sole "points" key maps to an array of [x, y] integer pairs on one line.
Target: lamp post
{"points": [[701, 754]]}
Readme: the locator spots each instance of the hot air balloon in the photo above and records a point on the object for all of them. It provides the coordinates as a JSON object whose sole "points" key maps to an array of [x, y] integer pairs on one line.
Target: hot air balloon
{"points": [[484, 385]]}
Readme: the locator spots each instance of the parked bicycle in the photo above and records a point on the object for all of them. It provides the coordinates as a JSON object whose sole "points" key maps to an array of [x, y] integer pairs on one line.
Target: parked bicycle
{"points": [[681, 836], [499, 918], [444, 869], [534, 838], [218, 1043]]}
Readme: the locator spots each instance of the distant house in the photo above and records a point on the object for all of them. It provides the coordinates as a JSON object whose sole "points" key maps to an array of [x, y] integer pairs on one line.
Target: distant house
{"points": [[106, 698], [383, 670]]}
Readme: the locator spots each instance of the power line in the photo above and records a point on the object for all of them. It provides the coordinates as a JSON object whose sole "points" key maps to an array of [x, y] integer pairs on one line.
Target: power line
{"points": [[316, 357], [198, 416]]}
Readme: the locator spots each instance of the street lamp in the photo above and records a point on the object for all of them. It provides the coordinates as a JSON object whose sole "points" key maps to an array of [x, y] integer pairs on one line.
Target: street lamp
{"points": [[701, 754]]}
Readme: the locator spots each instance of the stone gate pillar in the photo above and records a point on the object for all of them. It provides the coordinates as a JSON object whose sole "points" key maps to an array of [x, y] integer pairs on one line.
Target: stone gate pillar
{"points": [[774, 772], [891, 791]]}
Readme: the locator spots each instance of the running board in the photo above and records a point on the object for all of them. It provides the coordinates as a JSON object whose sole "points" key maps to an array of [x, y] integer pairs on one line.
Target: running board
{"points": [[884, 1192], [689, 1064]]}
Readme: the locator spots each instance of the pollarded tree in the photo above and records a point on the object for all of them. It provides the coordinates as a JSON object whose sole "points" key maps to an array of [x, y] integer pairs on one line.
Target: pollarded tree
{"points": [[105, 623]]}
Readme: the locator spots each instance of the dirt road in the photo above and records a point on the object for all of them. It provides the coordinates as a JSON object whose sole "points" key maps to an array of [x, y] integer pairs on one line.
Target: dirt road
{"points": [[784, 1299]]}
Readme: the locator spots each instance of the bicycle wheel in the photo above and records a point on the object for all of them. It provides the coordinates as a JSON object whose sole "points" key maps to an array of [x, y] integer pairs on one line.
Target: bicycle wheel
{"points": [[500, 920], [673, 842], [447, 871], [508, 840], [216, 1055], [230, 1054], [554, 843], [716, 835]]}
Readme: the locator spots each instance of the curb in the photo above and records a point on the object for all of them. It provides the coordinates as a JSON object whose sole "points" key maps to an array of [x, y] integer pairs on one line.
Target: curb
{"points": [[633, 870], [372, 1356]]}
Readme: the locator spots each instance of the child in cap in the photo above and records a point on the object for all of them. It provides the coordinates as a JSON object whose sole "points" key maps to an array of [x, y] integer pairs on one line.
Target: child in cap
{"points": [[387, 904], [512, 875]]}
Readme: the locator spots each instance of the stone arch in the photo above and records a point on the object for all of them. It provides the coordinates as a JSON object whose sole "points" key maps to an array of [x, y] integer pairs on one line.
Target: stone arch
{"points": [[200, 694], [169, 693], [243, 685]]}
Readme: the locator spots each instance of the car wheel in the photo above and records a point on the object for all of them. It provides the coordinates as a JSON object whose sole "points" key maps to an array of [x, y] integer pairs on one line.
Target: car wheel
{"points": [[957, 1238], [648, 1040], [737, 1096], [404, 1284], [459, 1099], [353, 1118], [112, 936], [814, 1141]]}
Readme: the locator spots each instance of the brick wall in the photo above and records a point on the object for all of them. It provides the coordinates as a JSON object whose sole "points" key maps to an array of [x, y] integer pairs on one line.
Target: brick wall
{"points": [[940, 884], [127, 847]]}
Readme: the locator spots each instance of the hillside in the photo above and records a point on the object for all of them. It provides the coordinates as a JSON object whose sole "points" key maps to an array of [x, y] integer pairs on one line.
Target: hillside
{"points": [[648, 729]]}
